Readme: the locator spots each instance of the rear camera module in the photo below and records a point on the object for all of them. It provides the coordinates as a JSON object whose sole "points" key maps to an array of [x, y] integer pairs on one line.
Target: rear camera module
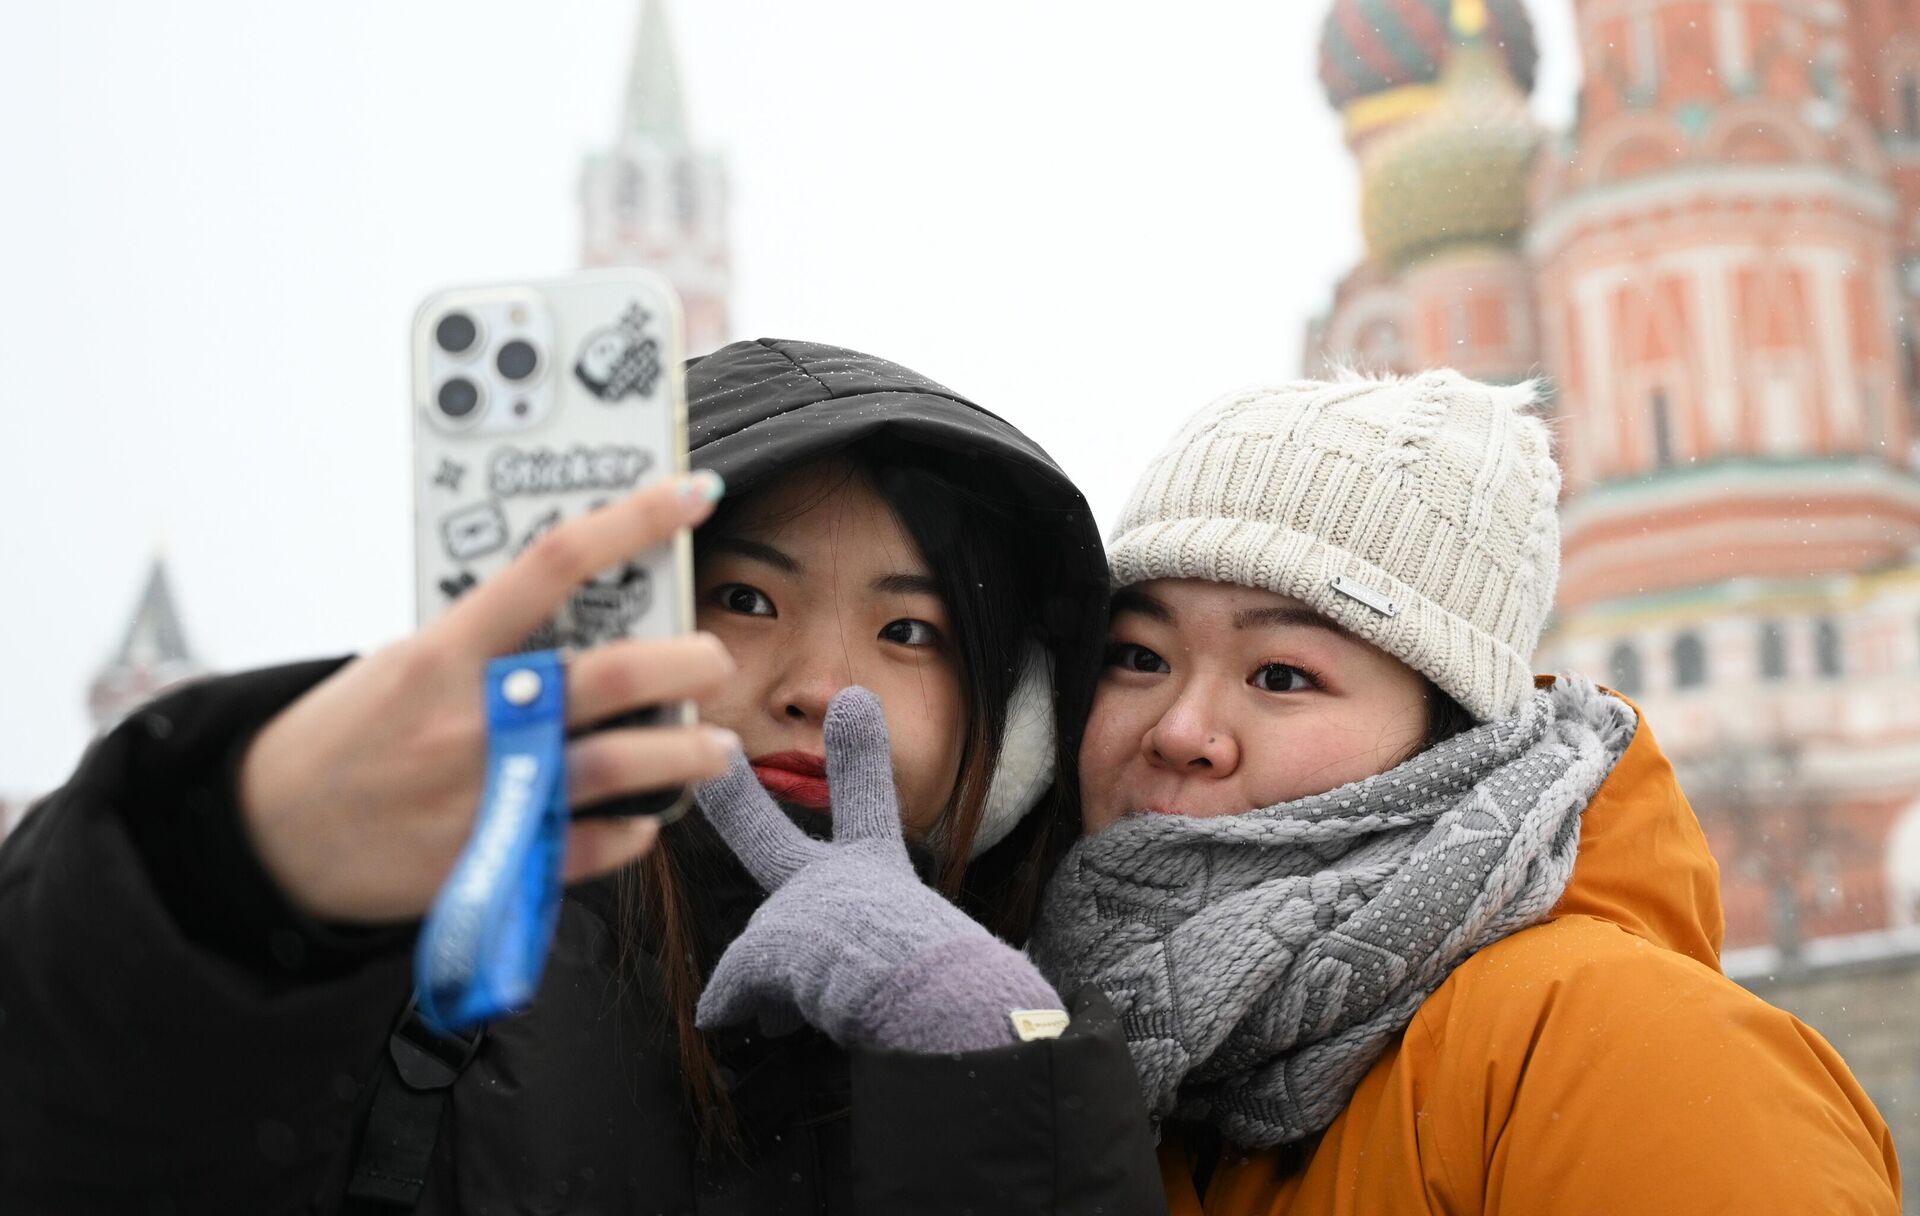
{"points": [[458, 397], [456, 333], [517, 359]]}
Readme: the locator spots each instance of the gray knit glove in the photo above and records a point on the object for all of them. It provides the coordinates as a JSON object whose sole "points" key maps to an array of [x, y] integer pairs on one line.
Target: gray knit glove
{"points": [[849, 937]]}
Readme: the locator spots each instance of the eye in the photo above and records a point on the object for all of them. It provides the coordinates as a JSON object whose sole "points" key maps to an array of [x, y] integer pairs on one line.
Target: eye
{"points": [[1282, 677], [745, 600], [910, 632], [1128, 656]]}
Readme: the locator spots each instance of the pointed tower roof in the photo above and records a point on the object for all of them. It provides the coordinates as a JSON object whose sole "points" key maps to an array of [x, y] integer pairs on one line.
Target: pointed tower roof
{"points": [[654, 108], [153, 655], [154, 635]]}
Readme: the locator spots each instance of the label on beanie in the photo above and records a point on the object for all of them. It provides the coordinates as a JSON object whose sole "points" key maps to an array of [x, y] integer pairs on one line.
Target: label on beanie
{"points": [[1366, 595]]}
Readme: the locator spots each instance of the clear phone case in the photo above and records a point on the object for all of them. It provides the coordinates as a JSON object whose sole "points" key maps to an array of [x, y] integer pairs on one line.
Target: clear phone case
{"points": [[534, 403]]}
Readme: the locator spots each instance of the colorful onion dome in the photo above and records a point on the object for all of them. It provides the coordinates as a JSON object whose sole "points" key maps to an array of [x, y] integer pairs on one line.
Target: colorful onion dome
{"points": [[1370, 46], [1456, 174]]}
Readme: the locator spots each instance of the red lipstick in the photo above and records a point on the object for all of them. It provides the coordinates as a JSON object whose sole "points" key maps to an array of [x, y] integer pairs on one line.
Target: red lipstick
{"points": [[796, 777]]}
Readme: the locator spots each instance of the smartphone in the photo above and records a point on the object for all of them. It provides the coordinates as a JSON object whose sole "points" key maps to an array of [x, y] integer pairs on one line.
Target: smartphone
{"points": [[534, 403]]}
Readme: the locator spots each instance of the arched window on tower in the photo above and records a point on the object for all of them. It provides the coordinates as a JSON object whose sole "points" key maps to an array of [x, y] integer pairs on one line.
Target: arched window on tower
{"points": [[1909, 357], [1689, 661], [629, 184], [1773, 651], [1903, 869], [1826, 648], [1646, 61], [1623, 669], [686, 196], [1661, 418], [1825, 73], [1379, 348]]}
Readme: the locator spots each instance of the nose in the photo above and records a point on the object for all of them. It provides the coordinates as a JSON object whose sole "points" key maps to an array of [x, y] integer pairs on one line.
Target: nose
{"points": [[815, 671], [1192, 738]]}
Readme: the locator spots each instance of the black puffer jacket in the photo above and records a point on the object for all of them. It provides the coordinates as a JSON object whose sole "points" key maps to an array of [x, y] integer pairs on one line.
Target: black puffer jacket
{"points": [[175, 1039]]}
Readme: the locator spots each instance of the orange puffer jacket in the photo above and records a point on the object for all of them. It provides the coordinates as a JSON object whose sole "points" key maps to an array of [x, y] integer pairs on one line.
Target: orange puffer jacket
{"points": [[1598, 1062]]}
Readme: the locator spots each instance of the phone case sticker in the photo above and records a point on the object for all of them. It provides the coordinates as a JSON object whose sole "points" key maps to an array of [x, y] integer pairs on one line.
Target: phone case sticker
{"points": [[474, 531], [539, 528], [458, 585], [622, 359], [607, 607], [546, 471]]}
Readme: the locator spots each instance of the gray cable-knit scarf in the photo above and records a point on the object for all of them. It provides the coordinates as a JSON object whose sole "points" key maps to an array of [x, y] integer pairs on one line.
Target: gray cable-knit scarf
{"points": [[1262, 962]]}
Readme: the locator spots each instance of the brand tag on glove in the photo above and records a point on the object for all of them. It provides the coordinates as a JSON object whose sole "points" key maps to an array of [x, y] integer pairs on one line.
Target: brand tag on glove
{"points": [[487, 936]]}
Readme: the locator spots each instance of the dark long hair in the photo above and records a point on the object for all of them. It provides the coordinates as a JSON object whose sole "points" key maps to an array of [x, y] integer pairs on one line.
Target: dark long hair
{"points": [[966, 537]]}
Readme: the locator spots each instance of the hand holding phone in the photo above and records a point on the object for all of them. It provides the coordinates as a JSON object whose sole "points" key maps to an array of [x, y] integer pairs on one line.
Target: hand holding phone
{"points": [[359, 795], [536, 402], [551, 510]]}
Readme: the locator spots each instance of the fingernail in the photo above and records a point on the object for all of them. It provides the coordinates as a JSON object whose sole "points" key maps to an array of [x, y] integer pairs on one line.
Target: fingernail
{"points": [[724, 739], [703, 485]]}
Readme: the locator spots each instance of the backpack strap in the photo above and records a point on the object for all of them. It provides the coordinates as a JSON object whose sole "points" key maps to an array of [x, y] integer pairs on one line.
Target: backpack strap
{"points": [[403, 1121]]}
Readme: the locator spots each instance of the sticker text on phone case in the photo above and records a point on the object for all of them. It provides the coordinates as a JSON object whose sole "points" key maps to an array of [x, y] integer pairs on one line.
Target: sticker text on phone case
{"points": [[545, 471]]}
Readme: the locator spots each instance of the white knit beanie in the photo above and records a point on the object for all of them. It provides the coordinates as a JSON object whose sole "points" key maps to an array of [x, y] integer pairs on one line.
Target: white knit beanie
{"points": [[1415, 513]]}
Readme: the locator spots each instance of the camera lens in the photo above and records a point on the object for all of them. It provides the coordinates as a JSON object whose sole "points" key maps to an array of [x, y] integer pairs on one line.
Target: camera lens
{"points": [[517, 359], [456, 333], [458, 397]]}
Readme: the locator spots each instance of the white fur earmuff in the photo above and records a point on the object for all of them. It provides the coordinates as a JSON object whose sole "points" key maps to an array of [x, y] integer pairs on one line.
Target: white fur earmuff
{"points": [[1027, 747]]}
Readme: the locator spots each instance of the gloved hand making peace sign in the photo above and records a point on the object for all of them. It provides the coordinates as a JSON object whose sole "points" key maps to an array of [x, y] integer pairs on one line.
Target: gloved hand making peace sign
{"points": [[850, 939]]}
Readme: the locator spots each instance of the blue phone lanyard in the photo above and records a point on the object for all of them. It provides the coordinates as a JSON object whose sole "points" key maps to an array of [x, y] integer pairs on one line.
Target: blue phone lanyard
{"points": [[487, 936]]}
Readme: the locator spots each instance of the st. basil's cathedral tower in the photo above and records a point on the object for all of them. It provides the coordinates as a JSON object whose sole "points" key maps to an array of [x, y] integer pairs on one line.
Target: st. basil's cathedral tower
{"points": [[1433, 98], [1717, 273]]}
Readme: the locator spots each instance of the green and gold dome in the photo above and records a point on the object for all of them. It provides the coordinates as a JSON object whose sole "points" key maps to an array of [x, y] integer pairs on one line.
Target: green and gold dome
{"points": [[1457, 172], [1380, 59]]}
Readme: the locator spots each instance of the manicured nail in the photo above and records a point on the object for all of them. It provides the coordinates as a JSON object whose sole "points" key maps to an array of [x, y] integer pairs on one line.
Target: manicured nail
{"points": [[724, 739], [703, 485]]}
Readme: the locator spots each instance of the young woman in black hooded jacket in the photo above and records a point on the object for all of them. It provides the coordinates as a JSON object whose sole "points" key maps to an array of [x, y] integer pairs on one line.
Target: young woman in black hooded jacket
{"points": [[205, 956]]}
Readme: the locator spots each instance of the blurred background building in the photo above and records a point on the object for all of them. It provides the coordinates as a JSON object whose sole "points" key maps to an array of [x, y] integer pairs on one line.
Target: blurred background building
{"points": [[1716, 272], [153, 655], [651, 199], [655, 200]]}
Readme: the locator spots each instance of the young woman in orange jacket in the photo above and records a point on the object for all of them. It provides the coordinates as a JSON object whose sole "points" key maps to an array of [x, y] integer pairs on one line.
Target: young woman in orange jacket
{"points": [[1390, 924]]}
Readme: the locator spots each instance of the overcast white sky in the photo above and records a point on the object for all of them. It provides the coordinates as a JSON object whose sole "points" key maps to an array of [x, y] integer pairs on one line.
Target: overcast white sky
{"points": [[1089, 215]]}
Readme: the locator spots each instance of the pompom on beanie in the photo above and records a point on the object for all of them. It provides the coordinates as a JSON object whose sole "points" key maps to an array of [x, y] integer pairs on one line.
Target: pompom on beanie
{"points": [[1417, 513]]}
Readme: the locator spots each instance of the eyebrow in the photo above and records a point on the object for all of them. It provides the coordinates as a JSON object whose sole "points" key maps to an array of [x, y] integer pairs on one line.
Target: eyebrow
{"points": [[906, 584], [1132, 599], [1284, 615], [756, 551], [899, 583]]}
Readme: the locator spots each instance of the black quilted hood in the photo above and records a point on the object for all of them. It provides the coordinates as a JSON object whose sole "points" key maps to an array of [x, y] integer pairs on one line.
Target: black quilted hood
{"points": [[761, 407]]}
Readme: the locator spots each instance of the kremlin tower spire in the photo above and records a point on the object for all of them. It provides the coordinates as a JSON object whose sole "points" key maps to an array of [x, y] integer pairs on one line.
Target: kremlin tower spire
{"points": [[655, 200], [653, 109], [153, 655]]}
